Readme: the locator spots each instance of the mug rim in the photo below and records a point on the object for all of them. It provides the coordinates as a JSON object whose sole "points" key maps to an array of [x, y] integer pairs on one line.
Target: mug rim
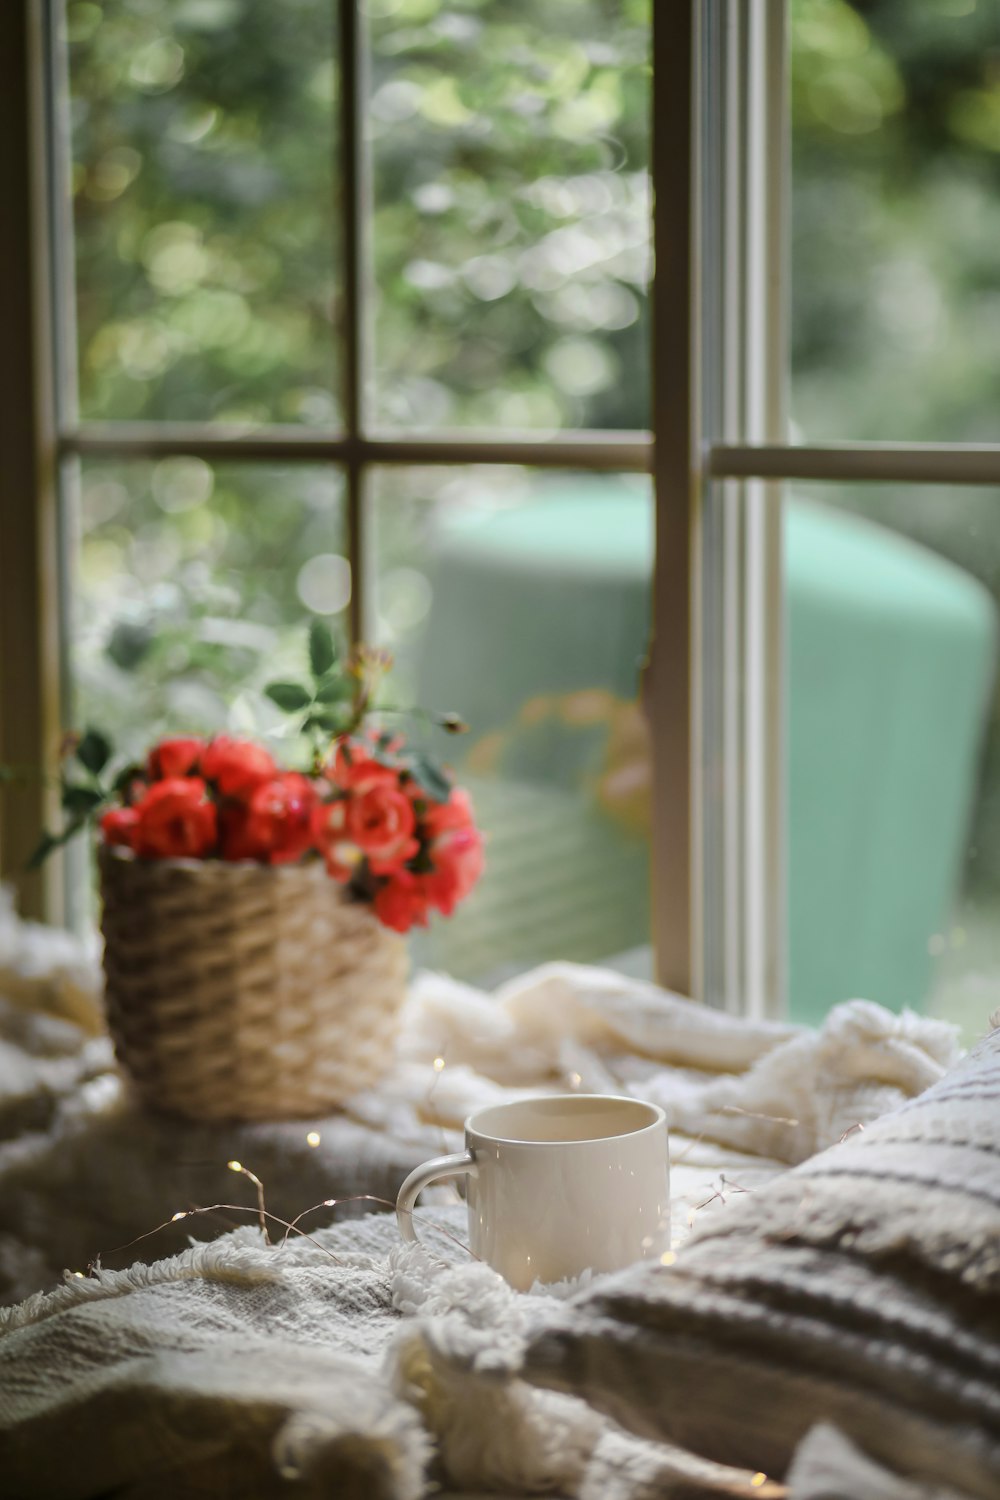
{"points": [[659, 1118]]}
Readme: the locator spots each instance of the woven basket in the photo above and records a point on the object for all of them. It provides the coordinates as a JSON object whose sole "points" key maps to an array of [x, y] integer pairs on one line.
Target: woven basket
{"points": [[244, 991]]}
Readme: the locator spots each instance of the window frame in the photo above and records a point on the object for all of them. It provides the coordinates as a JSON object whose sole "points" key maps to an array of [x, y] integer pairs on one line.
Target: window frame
{"points": [[717, 454]]}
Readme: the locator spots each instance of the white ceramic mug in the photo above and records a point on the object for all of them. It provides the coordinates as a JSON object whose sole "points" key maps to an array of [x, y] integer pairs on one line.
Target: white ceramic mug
{"points": [[558, 1185]]}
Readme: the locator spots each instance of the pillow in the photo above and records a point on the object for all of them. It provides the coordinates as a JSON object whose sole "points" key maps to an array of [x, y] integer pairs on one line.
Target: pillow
{"points": [[861, 1288]]}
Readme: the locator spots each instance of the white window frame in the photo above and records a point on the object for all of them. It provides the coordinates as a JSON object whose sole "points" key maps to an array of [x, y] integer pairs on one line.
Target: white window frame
{"points": [[718, 454]]}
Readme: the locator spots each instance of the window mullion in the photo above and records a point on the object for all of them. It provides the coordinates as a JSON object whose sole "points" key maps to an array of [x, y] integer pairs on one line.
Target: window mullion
{"points": [[29, 563], [353, 304], [862, 462]]}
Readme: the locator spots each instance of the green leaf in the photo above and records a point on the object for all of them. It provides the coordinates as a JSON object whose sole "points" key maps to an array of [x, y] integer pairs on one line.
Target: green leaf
{"points": [[335, 690], [322, 651], [80, 800], [94, 751], [430, 778], [291, 696], [51, 841], [42, 850], [332, 720]]}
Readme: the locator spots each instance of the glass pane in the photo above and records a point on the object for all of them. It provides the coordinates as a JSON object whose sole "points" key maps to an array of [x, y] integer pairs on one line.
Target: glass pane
{"points": [[896, 219], [521, 601], [511, 233], [204, 198], [193, 587], [893, 606]]}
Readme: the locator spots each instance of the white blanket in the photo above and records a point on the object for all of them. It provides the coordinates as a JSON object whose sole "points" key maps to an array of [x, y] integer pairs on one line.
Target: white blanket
{"points": [[241, 1369], [348, 1365], [83, 1171]]}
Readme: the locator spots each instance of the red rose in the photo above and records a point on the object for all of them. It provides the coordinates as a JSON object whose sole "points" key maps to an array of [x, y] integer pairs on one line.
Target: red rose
{"points": [[401, 903], [455, 848], [381, 822], [455, 813], [177, 757], [174, 820], [354, 770], [280, 816], [118, 826], [329, 831], [457, 864], [236, 839], [236, 766]]}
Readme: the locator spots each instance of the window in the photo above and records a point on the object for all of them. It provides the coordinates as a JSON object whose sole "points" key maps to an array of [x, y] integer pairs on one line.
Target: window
{"points": [[351, 299], [819, 355]]}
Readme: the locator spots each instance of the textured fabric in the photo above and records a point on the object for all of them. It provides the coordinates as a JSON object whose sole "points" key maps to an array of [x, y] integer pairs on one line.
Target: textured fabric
{"points": [[354, 1366], [358, 1366], [231, 1369], [84, 1171], [861, 1288]]}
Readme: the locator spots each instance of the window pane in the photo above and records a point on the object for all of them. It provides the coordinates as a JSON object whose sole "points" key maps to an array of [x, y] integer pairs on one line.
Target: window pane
{"points": [[203, 192], [896, 219], [193, 586], [893, 604], [521, 601], [511, 237]]}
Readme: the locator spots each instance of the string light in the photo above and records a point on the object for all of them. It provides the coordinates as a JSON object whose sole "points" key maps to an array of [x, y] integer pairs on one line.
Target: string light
{"points": [[757, 1480], [575, 1080], [313, 1138], [262, 1214], [438, 1064], [667, 1258], [181, 1214]]}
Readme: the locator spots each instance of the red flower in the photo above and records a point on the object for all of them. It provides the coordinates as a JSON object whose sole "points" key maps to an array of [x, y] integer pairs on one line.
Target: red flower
{"points": [[329, 830], [455, 813], [236, 839], [381, 821], [118, 826], [401, 903], [354, 770], [458, 864], [178, 757], [174, 820], [280, 815], [236, 766], [455, 848]]}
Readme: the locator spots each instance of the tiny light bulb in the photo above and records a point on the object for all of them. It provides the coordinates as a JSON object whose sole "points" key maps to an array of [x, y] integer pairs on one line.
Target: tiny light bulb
{"points": [[235, 1166], [575, 1080], [667, 1258], [179, 1215], [312, 1139], [80, 1274], [438, 1064], [758, 1479]]}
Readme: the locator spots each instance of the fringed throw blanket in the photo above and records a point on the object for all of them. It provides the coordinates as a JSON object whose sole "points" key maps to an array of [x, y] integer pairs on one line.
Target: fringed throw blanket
{"points": [[833, 1336], [82, 1171]]}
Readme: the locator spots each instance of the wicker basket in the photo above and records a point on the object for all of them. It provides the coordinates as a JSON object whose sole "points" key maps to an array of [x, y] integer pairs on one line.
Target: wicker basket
{"points": [[244, 991]]}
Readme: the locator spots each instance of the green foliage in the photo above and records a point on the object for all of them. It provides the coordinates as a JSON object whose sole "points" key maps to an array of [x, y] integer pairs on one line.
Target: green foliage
{"points": [[94, 751], [322, 651], [289, 696]]}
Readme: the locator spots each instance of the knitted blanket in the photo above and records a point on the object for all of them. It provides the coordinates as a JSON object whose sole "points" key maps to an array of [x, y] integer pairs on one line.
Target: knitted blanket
{"points": [[83, 1171], [348, 1363], [861, 1288]]}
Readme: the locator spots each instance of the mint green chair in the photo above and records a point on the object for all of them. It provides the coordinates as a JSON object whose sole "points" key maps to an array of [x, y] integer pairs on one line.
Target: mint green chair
{"points": [[890, 655], [890, 663]]}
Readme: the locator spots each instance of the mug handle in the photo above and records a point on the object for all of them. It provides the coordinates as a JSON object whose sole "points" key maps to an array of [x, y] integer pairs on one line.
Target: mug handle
{"points": [[457, 1165]]}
